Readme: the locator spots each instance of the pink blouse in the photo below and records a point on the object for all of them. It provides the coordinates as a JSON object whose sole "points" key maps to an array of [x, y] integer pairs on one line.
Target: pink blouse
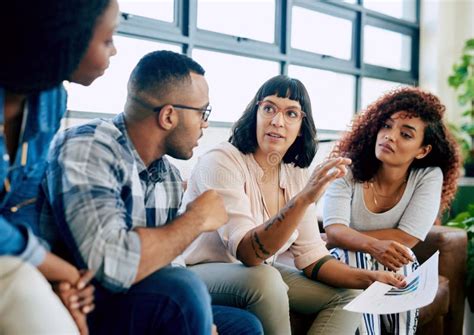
{"points": [[235, 177]]}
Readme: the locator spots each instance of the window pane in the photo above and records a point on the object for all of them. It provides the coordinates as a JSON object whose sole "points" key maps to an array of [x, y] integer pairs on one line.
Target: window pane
{"points": [[310, 32], [332, 96], [107, 94], [155, 9], [372, 89], [387, 48], [402, 9], [233, 81], [254, 19]]}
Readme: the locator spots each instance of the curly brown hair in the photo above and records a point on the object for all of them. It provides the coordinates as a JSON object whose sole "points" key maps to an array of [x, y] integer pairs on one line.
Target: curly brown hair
{"points": [[359, 143]]}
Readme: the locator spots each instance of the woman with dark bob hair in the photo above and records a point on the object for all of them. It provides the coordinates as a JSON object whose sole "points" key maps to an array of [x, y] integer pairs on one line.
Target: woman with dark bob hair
{"points": [[262, 176], [405, 164]]}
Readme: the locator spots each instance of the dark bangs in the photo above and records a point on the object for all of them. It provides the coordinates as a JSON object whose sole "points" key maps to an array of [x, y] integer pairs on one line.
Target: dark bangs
{"points": [[302, 151], [284, 87]]}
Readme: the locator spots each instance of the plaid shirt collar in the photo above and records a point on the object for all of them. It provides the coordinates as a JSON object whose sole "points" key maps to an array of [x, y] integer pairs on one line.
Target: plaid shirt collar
{"points": [[157, 171]]}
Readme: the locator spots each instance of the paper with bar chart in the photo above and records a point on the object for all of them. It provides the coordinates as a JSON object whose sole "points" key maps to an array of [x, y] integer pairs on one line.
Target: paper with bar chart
{"points": [[380, 298]]}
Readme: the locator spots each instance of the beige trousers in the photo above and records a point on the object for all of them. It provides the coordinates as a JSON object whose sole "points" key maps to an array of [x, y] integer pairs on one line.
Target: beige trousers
{"points": [[28, 305], [271, 291]]}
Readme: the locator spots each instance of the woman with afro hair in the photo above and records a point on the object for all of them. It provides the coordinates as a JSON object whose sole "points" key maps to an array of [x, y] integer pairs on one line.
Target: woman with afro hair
{"points": [[405, 164]]}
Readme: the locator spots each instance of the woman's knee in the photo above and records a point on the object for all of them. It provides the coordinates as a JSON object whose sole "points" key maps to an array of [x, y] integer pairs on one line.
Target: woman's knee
{"points": [[344, 296], [267, 282], [24, 280]]}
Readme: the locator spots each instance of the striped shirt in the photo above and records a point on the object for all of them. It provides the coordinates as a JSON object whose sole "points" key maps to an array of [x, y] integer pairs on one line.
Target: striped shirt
{"points": [[98, 190]]}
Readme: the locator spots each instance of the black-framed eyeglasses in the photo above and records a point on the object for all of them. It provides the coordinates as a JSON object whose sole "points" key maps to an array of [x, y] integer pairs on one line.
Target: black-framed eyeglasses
{"points": [[206, 111]]}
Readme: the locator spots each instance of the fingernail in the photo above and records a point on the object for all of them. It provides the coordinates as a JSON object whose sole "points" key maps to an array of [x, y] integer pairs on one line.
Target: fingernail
{"points": [[73, 298], [86, 309], [75, 305], [81, 285]]}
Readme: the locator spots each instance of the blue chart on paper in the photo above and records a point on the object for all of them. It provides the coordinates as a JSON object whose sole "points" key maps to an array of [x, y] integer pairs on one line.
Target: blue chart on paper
{"points": [[411, 287]]}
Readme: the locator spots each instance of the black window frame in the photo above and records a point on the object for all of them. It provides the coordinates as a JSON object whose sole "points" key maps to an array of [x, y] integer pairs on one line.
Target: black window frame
{"points": [[185, 33]]}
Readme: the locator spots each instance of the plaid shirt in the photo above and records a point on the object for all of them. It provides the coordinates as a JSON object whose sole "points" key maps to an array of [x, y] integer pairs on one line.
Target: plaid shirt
{"points": [[98, 190]]}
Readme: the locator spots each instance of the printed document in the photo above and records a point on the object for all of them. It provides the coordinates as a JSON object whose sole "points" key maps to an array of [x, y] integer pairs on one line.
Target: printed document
{"points": [[380, 298]]}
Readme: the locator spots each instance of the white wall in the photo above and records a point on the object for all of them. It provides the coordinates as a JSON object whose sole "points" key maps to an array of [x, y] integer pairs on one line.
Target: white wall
{"points": [[445, 26]]}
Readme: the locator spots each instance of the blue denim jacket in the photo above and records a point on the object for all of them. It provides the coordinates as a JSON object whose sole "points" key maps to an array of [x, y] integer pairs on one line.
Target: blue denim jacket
{"points": [[19, 215]]}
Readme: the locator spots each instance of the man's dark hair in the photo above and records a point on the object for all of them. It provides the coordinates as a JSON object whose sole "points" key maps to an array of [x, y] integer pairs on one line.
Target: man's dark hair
{"points": [[244, 131], [44, 41], [162, 71]]}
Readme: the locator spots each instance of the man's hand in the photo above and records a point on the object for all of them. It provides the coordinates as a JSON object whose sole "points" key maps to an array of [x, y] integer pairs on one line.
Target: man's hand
{"points": [[78, 299], [322, 176], [209, 207], [390, 253]]}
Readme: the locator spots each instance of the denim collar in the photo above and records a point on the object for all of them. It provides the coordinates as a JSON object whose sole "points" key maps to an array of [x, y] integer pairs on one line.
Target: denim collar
{"points": [[42, 108]]}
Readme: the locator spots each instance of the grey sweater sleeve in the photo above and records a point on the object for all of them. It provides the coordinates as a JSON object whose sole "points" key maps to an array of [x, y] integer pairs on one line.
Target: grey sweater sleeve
{"points": [[424, 204], [337, 201]]}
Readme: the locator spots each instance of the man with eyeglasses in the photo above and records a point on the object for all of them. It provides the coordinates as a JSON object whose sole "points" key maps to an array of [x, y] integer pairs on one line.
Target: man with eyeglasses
{"points": [[114, 198]]}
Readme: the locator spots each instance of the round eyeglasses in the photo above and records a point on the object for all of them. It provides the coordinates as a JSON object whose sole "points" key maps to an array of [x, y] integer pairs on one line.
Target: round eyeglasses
{"points": [[269, 110], [206, 111]]}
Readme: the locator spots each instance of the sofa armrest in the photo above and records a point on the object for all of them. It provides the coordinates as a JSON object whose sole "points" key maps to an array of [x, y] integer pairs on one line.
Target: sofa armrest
{"points": [[452, 246]]}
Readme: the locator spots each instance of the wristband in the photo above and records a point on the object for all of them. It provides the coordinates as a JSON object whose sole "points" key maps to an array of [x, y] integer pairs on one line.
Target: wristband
{"points": [[317, 266]]}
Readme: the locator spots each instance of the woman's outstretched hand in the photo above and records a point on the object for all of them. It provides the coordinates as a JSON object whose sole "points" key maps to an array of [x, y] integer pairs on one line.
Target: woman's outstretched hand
{"points": [[322, 176]]}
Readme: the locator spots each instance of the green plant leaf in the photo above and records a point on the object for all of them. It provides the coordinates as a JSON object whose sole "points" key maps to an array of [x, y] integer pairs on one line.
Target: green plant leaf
{"points": [[466, 60], [464, 98], [469, 112], [470, 87], [461, 217], [456, 224], [468, 128], [469, 223], [465, 220], [463, 139], [461, 70], [469, 44], [460, 73], [454, 81]]}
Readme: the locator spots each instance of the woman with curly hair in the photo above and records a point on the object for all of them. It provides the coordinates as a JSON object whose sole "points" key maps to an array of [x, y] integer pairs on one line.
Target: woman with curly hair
{"points": [[403, 175]]}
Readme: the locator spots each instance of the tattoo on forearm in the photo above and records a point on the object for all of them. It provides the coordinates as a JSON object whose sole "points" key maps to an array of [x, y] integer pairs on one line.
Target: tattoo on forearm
{"points": [[259, 248], [281, 215]]}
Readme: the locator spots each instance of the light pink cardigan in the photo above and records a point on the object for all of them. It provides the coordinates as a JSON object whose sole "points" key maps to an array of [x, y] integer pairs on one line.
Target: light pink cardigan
{"points": [[234, 176]]}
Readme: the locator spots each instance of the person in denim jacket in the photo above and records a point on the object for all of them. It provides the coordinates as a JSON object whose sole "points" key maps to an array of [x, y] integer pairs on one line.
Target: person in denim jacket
{"points": [[48, 42]]}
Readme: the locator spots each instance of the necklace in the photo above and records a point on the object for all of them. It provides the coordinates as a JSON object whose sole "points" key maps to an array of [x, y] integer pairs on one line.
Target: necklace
{"points": [[264, 204], [376, 194], [271, 260]]}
